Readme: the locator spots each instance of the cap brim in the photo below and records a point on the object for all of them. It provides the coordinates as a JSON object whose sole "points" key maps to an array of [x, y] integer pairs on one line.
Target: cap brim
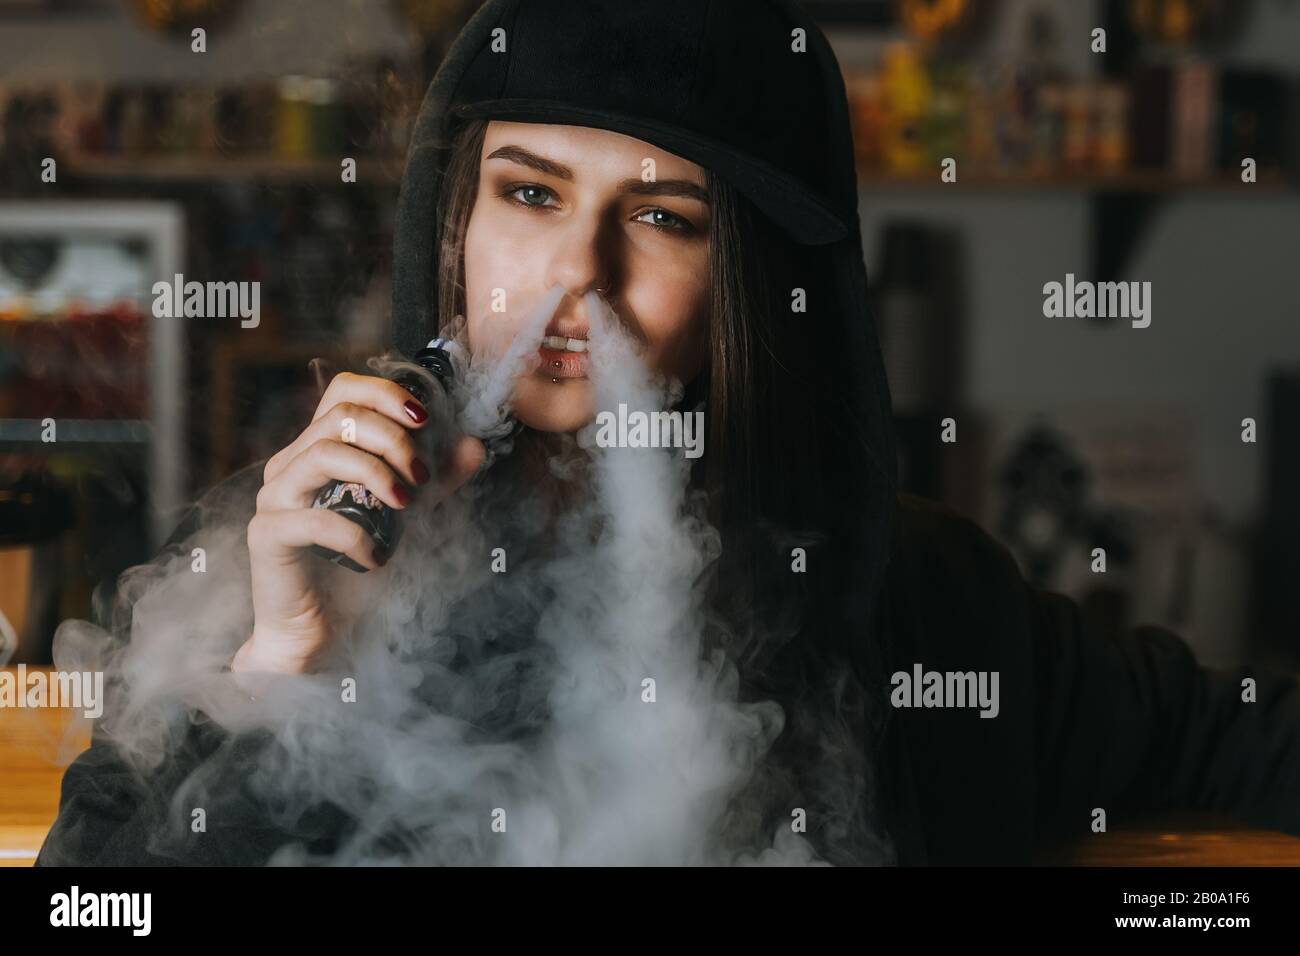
{"points": [[804, 216]]}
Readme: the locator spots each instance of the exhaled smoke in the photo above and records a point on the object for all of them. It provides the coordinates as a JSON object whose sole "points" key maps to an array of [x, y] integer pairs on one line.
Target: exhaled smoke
{"points": [[524, 683], [491, 377]]}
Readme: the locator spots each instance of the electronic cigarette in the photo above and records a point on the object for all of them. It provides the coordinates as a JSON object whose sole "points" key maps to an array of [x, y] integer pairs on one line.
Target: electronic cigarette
{"points": [[356, 502]]}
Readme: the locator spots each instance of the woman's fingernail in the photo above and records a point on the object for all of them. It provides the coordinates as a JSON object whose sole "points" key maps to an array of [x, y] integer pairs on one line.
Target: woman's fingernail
{"points": [[417, 413], [380, 558], [420, 470], [402, 495]]}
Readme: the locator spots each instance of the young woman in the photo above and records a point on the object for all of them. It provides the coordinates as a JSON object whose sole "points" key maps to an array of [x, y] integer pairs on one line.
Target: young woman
{"points": [[691, 164]]}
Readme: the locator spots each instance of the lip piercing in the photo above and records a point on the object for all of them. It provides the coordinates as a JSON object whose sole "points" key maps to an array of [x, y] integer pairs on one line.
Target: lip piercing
{"points": [[555, 381], [557, 364]]}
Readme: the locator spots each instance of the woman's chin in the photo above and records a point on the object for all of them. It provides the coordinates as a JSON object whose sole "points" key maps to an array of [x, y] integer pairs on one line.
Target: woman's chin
{"points": [[562, 406]]}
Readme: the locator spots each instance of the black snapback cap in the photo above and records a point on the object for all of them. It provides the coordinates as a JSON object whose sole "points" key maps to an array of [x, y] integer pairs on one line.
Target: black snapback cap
{"points": [[722, 83]]}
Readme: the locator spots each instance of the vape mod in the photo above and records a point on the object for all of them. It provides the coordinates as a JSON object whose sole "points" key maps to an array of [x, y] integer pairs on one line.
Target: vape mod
{"points": [[356, 502]]}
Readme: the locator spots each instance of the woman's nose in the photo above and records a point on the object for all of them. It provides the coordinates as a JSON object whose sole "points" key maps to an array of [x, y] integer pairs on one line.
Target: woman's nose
{"points": [[583, 257]]}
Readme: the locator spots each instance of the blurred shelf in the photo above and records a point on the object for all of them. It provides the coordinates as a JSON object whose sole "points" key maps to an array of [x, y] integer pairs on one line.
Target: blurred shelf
{"points": [[182, 168], [1122, 204], [75, 431], [1143, 181]]}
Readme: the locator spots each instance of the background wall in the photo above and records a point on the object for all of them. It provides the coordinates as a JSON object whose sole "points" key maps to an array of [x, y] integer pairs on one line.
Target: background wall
{"points": [[1225, 280]]}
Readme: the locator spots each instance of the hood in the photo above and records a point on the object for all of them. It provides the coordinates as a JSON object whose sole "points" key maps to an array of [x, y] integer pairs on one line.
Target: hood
{"points": [[747, 88]]}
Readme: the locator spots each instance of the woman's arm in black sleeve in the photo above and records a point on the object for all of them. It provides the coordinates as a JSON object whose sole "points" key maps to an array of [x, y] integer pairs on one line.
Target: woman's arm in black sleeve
{"points": [[1131, 723], [111, 814]]}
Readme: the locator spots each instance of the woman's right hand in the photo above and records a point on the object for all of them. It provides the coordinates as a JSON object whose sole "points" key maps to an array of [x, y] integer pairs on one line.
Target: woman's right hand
{"points": [[290, 626]]}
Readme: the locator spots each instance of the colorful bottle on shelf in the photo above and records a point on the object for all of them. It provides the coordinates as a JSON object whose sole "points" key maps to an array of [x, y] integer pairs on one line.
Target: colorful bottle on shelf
{"points": [[907, 99]]}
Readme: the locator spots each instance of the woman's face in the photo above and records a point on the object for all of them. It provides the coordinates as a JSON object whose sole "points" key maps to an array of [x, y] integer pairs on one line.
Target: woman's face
{"points": [[585, 209]]}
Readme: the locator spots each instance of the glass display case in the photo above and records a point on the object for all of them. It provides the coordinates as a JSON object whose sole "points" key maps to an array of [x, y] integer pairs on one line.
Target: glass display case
{"points": [[79, 345]]}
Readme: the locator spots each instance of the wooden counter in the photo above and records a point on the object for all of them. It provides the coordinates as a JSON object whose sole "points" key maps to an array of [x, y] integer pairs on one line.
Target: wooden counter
{"points": [[1181, 840], [36, 745]]}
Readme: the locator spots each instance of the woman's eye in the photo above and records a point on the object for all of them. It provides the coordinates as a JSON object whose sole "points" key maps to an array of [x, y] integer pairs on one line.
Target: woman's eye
{"points": [[663, 219], [530, 195]]}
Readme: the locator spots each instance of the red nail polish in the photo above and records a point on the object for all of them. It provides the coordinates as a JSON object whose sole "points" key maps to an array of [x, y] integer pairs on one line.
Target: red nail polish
{"points": [[420, 470], [418, 414], [402, 495]]}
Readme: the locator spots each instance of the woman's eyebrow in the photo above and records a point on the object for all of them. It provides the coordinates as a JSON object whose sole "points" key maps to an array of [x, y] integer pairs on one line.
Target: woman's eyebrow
{"points": [[664, 187], [517, 154]]}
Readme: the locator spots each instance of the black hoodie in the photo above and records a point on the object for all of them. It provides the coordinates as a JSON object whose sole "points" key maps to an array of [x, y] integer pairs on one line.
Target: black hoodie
{"points": [[1125, 722], [750, 90]]}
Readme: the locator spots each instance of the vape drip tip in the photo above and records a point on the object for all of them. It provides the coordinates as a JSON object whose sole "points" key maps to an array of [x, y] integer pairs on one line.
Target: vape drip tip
{"points": [[454, 349]]}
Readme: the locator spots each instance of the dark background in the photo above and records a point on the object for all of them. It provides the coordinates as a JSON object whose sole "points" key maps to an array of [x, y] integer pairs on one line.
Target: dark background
{"points": [[1071, 433]]}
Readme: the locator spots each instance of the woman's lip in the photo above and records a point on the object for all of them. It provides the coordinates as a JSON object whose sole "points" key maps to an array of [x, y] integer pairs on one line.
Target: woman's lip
{"points": [[571, 364], [575, 332]]}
